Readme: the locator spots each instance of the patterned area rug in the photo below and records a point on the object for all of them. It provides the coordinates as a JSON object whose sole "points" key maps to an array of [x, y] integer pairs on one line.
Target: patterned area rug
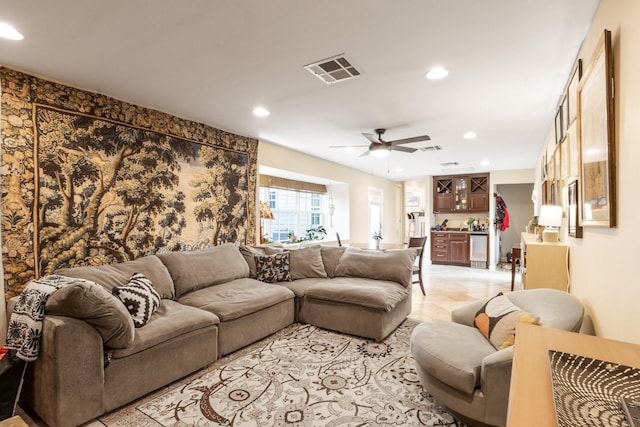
{"points": [[301, 376]]}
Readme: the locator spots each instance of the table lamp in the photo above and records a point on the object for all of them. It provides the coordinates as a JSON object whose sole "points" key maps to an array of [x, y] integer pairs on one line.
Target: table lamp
{"points": [[551, 218], [265, 213]]}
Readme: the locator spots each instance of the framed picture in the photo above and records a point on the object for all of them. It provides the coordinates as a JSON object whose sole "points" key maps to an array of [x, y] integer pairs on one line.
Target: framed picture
{"points": [[559, 128], [565, 115], [412, 200], [572, 150], [572, 210], [564, 157], [572, 93], [597, 139], [543, 167]]}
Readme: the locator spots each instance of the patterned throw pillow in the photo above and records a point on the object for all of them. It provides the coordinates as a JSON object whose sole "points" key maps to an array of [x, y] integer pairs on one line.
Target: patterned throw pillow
{"points": [[140, 298], [497, 320], [273, 268]]}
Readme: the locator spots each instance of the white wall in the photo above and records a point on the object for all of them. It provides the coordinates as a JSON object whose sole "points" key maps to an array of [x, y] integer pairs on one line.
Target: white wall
{"points": [[603, 263], [357, 211]]}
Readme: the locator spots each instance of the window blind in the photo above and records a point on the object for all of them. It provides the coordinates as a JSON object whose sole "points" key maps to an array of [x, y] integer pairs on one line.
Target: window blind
{"points": [[291, 184]]}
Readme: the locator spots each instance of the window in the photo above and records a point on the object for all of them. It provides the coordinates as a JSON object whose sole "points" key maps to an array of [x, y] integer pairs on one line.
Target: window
{"points": [[294, 212]]}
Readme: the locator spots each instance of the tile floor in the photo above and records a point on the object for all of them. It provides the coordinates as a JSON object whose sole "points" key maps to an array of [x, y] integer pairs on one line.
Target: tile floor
{"points": [[449, 287]]}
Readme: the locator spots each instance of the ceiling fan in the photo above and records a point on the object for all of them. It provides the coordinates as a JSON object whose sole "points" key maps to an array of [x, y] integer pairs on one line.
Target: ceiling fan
{"points": [[380, 148]]}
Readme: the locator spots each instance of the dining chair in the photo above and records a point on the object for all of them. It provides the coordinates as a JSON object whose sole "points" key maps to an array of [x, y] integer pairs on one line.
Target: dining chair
{"points": [[418, 243], [339, 241]]}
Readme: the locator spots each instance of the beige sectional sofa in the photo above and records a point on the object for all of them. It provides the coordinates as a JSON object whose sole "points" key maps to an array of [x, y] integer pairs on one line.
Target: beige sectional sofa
{"points": [[92, 359]]}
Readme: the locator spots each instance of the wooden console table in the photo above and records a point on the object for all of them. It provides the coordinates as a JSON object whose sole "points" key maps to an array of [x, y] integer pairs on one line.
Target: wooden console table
{"points": [[531, 396]]}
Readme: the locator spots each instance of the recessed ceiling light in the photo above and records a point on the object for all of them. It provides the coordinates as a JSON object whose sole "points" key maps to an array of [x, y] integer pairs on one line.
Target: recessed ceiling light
{"points": [[9, 32], [485, 163], [470, 135], [437, 73], [261, 112], [399, 170]]}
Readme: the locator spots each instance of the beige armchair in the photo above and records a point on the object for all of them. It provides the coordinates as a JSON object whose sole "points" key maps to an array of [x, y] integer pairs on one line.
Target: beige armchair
{"points": [[460, 368]]}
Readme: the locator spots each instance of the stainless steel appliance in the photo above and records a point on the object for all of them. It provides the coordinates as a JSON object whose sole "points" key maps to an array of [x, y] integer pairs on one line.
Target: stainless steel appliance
{"points": [[478, 250]]}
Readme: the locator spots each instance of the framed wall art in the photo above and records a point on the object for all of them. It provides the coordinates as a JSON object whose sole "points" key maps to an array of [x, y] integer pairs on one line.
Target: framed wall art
{"points": [[564, 157], [558, 125], [597, 139], [572, 93], [575, 230]]}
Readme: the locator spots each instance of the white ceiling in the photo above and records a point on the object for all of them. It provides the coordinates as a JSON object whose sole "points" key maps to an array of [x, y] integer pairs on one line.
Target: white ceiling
{"points": [[213, 61]]}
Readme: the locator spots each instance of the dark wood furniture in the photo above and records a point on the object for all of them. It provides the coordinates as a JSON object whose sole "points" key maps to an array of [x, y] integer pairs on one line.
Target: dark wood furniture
{"points": [[418, 242], [461, 193], [516, 253], [450, 248]]}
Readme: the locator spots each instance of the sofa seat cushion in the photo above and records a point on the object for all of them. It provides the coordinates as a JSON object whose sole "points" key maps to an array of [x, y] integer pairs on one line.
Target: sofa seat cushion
{"points": [[301, 286], [237, 298], [376, 294], [169, 321], [450, 352]]}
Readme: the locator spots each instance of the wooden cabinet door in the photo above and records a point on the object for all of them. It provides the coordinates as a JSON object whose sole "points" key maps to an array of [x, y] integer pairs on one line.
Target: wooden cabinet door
{"points": [[479, 193], [459, 248], [461, 192], [443, 200]]}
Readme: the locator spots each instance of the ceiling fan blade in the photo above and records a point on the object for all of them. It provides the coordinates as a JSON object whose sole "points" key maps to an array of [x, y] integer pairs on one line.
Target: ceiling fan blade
{"points": [[347, 146], [365, 154], [403, 149], [372, 138], [412, 139]]}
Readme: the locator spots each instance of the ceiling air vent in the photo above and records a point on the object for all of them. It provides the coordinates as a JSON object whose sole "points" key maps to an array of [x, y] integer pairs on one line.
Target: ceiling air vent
{"points": [[449, 164], [333, 70], [431, 148]]}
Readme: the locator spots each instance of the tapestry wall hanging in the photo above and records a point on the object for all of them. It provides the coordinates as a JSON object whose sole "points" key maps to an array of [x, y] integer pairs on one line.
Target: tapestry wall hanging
{"points": [[90, 180]]}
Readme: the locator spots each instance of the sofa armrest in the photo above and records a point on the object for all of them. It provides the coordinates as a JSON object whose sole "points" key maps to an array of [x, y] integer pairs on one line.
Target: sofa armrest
{"points": [[495, 381], [467, 313], [69, 369]]}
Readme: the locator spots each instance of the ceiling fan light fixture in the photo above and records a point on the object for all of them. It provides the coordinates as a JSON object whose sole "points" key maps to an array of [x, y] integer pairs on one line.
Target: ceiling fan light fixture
{"points": [[379, 151]]}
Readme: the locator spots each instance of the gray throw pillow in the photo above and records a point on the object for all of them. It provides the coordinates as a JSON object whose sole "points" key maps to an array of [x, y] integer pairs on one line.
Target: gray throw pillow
{"points": [[306, 263], [193, 270], [88, 301], [395, 266]]}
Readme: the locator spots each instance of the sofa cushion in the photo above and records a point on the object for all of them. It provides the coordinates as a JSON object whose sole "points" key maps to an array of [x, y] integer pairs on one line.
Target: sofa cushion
{"points": [[497, 320], [331, 257], [86, 300], [237, 298], [169, 321], [376, 294], [273, 268], [249, 253], [396, 265], [139, 297], [112, 275], [306, 263], [193, 270], [450, 352]]}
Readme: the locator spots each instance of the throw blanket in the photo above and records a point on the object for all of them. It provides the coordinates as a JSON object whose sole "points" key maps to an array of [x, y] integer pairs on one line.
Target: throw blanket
{"points": [[25, 325]]}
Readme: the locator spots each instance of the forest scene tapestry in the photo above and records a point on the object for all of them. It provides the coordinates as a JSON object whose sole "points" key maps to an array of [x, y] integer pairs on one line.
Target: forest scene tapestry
{"points": [[89, 180], [112, 193]]}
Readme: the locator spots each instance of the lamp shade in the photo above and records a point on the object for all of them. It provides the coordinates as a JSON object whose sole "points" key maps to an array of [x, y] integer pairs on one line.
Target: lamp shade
{"points": [[265, 211], [550, 216]]}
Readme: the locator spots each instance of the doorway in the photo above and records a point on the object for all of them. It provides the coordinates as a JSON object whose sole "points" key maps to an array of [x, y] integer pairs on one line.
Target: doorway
{"points": [[517, 197]]}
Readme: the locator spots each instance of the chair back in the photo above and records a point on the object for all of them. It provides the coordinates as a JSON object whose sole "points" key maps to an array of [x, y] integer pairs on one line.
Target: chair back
{"points": [[418, 242], [338, 237]]}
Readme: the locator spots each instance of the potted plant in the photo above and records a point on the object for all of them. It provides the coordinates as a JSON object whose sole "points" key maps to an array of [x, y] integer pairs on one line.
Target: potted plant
{"points": [[377, 236]]}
